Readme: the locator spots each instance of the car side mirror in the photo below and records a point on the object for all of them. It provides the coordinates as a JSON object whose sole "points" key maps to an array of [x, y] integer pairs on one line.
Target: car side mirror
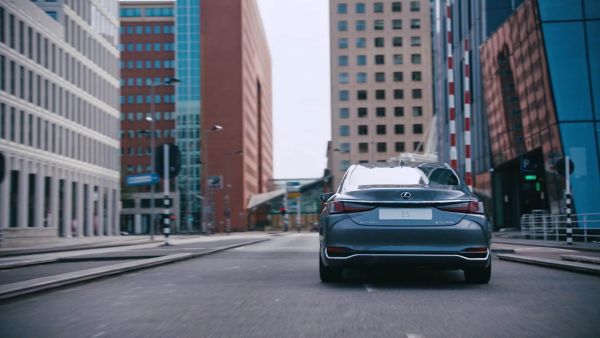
{"points": [[326, 196]]}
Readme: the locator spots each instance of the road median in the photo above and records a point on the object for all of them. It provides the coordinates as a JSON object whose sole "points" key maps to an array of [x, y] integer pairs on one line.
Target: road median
{"points": [[12, 290], [589, 269]]}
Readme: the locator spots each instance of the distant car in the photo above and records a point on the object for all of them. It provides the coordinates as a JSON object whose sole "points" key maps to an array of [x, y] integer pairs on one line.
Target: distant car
{"points": [[416, 214]]}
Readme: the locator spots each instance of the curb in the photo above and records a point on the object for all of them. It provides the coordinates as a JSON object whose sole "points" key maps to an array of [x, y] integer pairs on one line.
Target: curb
{"points": [[547, 245], [23, 263], [12, 290], [553, 263], [33, 251]]}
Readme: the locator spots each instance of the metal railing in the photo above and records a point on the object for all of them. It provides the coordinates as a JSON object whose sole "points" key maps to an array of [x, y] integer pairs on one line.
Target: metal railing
{"points": [[543, 226]]}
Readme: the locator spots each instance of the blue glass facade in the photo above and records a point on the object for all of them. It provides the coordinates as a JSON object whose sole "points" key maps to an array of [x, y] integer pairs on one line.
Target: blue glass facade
{"points": [[571, 31], [187, 34]]}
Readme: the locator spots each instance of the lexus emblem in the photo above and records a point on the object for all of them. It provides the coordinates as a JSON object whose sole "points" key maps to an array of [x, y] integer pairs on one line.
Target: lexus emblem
{"points": [[405, 195]]}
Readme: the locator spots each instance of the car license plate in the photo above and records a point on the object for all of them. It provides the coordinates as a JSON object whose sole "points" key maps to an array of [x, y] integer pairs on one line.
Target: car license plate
{"points": [[406, 213]]}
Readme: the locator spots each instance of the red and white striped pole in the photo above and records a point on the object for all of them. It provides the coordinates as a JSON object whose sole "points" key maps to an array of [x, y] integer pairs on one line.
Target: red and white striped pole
{"points": [[467, 116], [450, 77]]}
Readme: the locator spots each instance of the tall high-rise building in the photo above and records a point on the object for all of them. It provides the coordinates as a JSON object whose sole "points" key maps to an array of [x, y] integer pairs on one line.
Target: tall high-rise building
{"points": [[147, 105], [187, 57], [236, 95], [381, 81], [472, 23], [59, 118]]}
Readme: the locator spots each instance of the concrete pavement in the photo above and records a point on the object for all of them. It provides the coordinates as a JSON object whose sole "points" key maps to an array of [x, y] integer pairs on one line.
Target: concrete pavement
{"points": [[272, 289]]}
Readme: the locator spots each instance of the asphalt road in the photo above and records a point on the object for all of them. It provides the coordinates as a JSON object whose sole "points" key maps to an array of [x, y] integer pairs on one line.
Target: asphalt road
{"points": [[272, 289]]}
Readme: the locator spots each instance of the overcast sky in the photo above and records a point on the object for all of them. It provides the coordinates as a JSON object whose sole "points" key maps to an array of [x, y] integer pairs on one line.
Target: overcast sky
{"points": [[298, 35]]}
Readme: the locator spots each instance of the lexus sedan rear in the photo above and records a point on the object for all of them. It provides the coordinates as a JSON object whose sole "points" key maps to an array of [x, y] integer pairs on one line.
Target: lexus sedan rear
{"points": [[417, 214]]}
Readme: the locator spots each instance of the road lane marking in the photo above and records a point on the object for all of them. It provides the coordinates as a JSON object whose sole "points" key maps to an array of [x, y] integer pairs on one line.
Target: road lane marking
{"points": [[99, 334], [414, 335], [369, 288]]}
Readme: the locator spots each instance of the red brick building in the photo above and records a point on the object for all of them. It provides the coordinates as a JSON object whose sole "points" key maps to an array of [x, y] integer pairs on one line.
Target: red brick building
{"points": [[147, 62], [236, 94]]}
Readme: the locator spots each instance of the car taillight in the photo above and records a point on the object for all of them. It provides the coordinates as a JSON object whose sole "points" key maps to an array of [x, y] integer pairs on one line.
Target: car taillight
{"points": [[338, 207], [472, 207]]}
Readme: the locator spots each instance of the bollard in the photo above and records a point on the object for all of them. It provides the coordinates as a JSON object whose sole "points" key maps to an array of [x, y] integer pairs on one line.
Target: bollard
{"points": [[569, 221]]}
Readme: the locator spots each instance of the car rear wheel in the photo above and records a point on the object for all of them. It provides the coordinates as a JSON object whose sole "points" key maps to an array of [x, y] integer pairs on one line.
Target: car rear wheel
{"points": [[478, 276], [329, 274]]}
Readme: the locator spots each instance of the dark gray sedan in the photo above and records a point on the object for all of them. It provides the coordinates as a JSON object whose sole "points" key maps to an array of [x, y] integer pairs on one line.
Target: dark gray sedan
{"points": [[417, 214]]}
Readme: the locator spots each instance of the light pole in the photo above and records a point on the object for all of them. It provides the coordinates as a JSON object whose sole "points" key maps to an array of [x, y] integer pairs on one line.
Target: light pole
{"points": [[152, 120], [227, 201], [209, 198]]}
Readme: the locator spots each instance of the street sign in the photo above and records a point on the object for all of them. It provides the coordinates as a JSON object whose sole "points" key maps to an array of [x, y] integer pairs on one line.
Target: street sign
{"points": [[293, 194], [143, 179], [292, 186], [560, 165], [174, 160], [214, 182], [2, 169]]}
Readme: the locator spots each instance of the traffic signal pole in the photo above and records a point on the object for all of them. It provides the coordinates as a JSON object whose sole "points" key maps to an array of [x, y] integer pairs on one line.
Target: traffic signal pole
{"points": [[568, 200], [166, 202]]}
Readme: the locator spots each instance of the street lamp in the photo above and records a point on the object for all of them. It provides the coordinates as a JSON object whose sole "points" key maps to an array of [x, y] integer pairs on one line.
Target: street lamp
{"points": [[209, 198], [227, 201], [152, 120]]}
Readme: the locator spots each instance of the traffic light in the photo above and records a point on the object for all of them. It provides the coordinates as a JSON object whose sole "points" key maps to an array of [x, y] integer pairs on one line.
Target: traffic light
{"points": [[282, 211], [174, 160]]}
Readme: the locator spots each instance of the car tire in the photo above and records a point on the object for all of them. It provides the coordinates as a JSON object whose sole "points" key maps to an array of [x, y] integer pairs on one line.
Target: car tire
{"points": [[478, 276], [329, 274]]}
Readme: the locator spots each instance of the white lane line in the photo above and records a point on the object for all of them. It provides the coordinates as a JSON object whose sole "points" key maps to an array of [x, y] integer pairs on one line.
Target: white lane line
{"points": [[369, 288], [99, 334], [414, 335], [232, 268]]}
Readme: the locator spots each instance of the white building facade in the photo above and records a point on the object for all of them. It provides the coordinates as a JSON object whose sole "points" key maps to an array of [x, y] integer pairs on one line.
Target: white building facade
{"points": [[59, 118]]}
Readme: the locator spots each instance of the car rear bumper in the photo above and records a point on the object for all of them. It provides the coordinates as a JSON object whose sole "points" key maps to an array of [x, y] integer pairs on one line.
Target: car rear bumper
{"points": [[434, 246], [433, 260]]}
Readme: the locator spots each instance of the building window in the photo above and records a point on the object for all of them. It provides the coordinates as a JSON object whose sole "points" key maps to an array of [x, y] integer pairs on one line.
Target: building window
{"points": [[344, 165], [361, 43], [417, 128], [398, 76], [415, 41], [417, 94], [398, 94], [378, 25], [399, 129], [361, 77], [380, 129], [378, 7], [342, 8], [398, 59], [415, 6], [398, 111], [415, 23], [342, 60], [361, 60], [379, 59], [416, 76], [397, 41], [379, 42], [342, 26], [363, 147], [380, 77], [360, 7], [344, 113], [361, 25], [361, 95], [396, 6], [415, 59], [344, 131], [417, 111], [380, 111], [381, 147], [344, 95], [343, 78], [342, 43], [417, 146], [363, 130], [362, 112], [399, 146], [380, 94], [397, 24]]}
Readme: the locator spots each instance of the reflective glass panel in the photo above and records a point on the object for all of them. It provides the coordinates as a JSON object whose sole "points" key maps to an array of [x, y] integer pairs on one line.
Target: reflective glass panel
{"points": [[565, 50], [560, 9]]}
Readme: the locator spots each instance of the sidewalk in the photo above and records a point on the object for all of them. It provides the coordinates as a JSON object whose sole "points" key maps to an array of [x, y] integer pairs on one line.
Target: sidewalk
{"points": [[579, 257]]}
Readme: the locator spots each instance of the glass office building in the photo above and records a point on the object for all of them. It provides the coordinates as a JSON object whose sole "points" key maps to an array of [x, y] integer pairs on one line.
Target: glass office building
{"points": [[541, 73], [188, 109]]}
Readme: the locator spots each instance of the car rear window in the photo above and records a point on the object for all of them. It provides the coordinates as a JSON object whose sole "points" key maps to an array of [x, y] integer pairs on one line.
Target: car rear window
{"points": [[364, 177]]}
